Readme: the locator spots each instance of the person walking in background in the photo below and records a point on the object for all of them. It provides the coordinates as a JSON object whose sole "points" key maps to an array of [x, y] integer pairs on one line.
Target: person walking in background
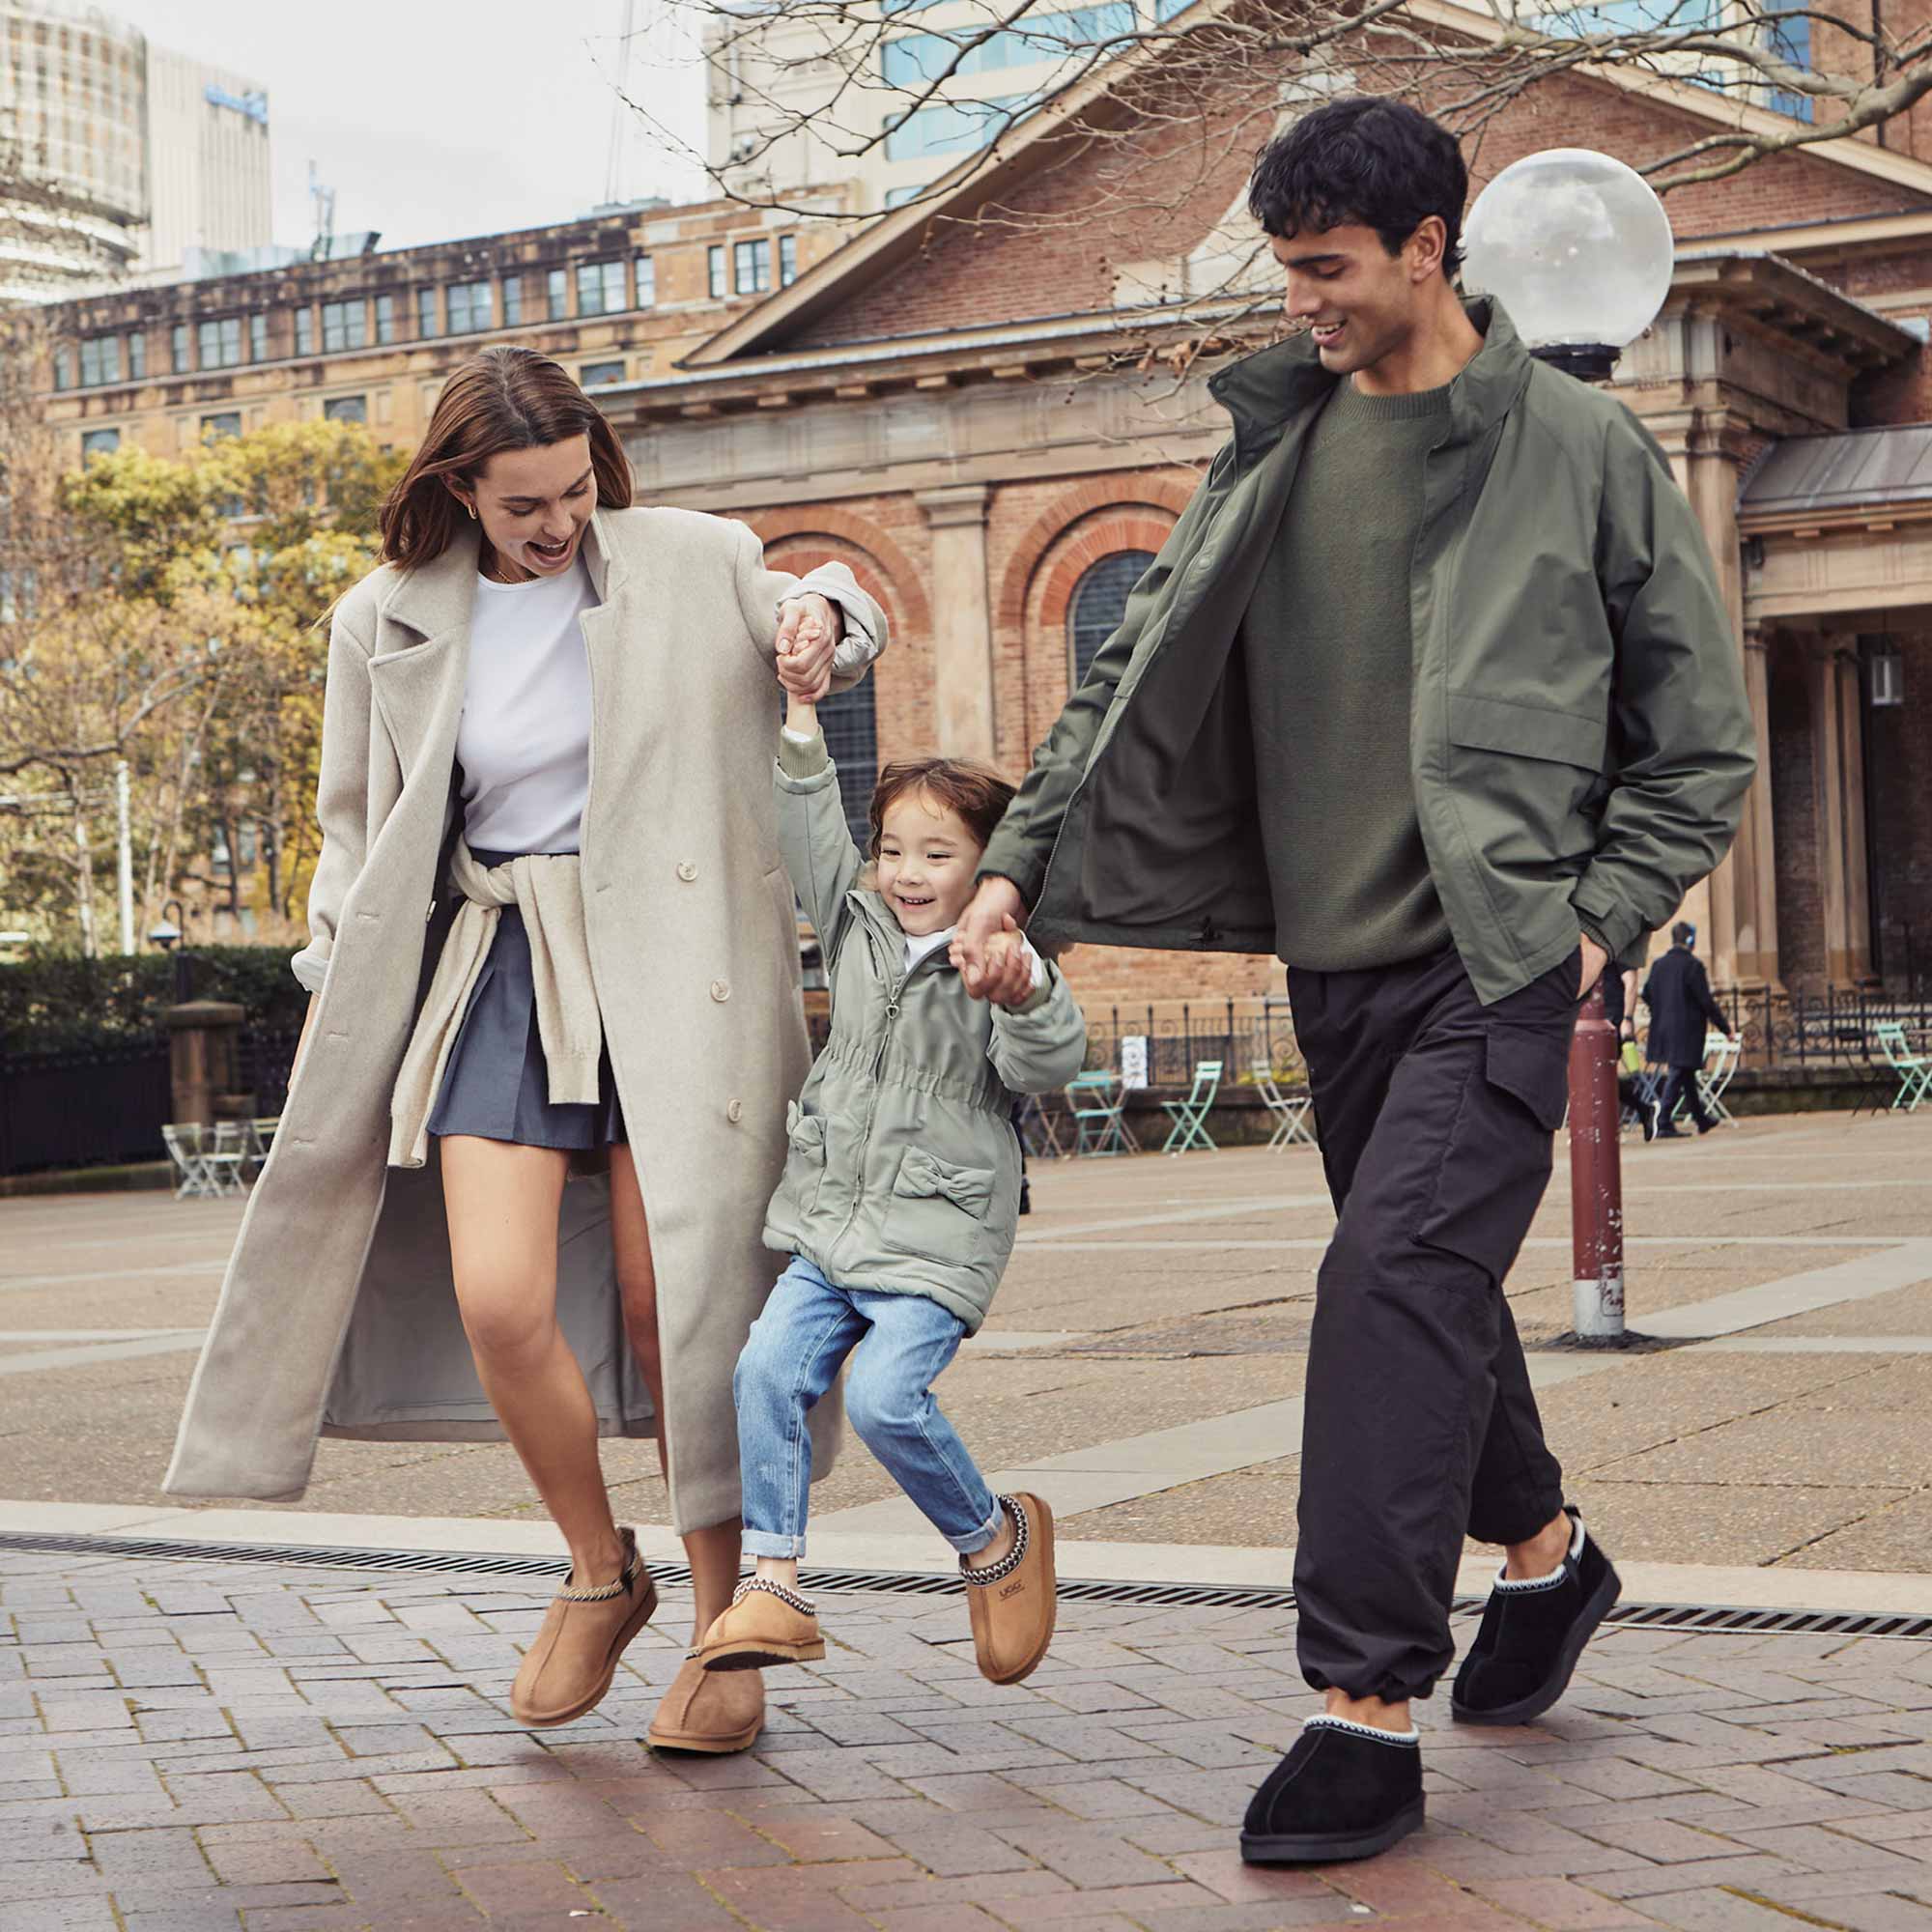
{"points": [[1633, 1094], [899, 1197], [1683, 1012], [1433, 692], [524, 732]]}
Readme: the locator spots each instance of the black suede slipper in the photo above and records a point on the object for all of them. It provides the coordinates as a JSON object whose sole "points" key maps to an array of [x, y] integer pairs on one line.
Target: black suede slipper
{"points": [[1342, 1792], [1526, 1650]]}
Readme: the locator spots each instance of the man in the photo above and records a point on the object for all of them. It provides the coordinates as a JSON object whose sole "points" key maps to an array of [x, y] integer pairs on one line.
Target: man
{"points": [[1633, 1094], [1430, 691], [1678, 994]]}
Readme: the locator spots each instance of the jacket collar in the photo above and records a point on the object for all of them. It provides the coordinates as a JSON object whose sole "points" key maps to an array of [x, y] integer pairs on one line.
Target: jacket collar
{"points": [[440, 595], [1266, 391]]}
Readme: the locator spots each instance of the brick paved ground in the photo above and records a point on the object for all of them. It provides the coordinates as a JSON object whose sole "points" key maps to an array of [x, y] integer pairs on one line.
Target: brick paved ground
{"points": [[205, 1745]]}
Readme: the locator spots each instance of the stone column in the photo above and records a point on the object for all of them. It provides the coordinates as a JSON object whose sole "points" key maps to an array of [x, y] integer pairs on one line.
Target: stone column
{"points": [[1757, 850], [1840, 765], [202, 1041], [962, 619]]}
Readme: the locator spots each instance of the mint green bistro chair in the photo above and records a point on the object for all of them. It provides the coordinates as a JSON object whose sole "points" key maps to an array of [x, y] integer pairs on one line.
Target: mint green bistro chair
{"points": [[1914, 1070], [1095, 1100], [1190, 1115]]}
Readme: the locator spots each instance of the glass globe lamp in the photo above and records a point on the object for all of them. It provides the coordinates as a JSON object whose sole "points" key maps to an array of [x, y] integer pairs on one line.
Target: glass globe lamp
{"points": [[1577, 248]]}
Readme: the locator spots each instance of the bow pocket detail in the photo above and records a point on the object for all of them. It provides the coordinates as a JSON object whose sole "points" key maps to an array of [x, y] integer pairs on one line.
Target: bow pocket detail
{"points": [[805, 1132], [938, 1208]]}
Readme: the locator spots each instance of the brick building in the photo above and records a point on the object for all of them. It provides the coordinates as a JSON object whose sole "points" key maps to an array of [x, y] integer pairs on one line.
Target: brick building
{"points": [[991, 406]]}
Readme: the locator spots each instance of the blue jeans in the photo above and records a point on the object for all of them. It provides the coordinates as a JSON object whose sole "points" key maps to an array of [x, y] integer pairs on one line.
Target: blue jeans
{"points": [[898, 1344]]}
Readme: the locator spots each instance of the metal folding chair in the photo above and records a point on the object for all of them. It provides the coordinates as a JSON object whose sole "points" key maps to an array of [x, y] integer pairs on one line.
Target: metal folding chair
{"points": [[225, 1157], [1913, 1071], [184, 1144], [1040, 1130], [1720, 1062], [1096, 1101], [1190, 1115], [1288, 1111]]}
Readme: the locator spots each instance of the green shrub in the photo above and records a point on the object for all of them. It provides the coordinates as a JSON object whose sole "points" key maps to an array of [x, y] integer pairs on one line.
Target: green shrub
{"points": [[60, 1000]]}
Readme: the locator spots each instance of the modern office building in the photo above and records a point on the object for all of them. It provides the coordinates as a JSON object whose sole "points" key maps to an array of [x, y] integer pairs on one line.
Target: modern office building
{"points": [[208, 187]]}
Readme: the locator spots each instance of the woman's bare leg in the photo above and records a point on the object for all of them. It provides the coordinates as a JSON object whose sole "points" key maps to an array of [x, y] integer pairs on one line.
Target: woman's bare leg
{"points": [[502, 1205], [713, 1552]]}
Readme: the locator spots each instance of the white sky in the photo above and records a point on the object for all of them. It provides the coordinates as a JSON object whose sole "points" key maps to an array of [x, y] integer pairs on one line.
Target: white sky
{"points": [[438, 119]]}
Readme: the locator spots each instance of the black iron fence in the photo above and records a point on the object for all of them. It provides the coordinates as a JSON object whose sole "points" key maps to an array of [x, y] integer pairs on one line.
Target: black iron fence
{"points": [[1241, 1035], [88, 1106], [1820, 1029], [264, 1057]]}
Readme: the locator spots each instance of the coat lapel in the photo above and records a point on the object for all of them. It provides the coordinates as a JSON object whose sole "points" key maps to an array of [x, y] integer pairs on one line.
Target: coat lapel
{"points": [[418, 685]]}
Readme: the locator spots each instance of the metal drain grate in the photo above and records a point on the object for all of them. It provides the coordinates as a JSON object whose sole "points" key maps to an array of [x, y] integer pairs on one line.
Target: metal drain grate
{"points": [[1708, 1617]]}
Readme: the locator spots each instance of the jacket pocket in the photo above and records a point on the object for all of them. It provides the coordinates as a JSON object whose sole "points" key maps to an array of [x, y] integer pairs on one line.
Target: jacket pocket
{"points": [[804, 1157], [938, 1209], [1479, 723], [1528, 782]]}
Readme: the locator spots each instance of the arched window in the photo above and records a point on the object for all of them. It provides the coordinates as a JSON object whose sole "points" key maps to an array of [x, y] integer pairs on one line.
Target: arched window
{"points": [[1099, 602]]}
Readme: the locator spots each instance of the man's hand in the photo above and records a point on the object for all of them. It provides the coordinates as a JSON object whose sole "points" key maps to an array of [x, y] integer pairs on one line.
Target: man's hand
{"points": [[1595, 960], [807, 637], [999, 973]]}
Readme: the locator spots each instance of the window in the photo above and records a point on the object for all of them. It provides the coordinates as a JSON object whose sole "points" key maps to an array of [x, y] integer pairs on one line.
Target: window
{"points": [[227, 423], [385, 317], [556, 295], [897, 197], [178, 342], [304, 330], [750, 267], [345, 409], [513, 301], [63, 368], [599, 287], [716, 258], [648, 281], [915, 59], [949, 128], [851, 736], [426, 326], [594, 373], [222, 343], [787, 260], [472, 308], [99, 443], [100, 361], [137, 356], [1099, 602], [345, 325], [258, 337], [1791, 41]]}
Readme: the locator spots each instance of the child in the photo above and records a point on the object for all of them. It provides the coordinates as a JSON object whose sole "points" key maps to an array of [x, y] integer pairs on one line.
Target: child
{"points": [[899, 1202]]}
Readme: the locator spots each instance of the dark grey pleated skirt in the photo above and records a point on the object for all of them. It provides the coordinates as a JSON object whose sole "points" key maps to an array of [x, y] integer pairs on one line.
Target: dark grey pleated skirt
{"points": [[496, 1084]]}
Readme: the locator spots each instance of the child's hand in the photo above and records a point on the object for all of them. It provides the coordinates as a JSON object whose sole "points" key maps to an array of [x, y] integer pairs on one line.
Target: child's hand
{"points": [[1008, 973], [805, 640]]}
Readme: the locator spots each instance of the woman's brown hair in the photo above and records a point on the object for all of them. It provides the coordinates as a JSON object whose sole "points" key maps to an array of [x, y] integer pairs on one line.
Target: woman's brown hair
{"points": [[979, 794], [501, 398]]}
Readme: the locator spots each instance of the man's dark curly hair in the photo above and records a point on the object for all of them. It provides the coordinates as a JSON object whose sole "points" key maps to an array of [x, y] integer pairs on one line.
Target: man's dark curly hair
{"points": [[1362, 159]]}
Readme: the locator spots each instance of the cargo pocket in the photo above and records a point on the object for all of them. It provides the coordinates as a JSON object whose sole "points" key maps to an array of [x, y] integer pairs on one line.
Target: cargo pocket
{"points": [[1497, 1159], [938, 1209]]}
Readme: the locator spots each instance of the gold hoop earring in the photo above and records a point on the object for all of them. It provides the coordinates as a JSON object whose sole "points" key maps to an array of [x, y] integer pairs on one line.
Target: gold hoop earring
{"points": [[472, 509]]}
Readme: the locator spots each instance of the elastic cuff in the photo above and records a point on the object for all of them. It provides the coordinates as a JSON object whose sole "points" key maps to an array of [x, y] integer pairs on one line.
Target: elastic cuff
{"points": [[802, 757], [764, 1543], [982, 1537]]}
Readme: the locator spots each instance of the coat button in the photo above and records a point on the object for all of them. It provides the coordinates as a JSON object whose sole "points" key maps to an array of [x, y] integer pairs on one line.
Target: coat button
{"points": [[721, 990], [687, 871], [734, 1111]]}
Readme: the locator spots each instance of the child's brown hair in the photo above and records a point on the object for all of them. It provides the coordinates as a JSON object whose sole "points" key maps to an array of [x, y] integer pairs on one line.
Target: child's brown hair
{"points": [[978, 793]]}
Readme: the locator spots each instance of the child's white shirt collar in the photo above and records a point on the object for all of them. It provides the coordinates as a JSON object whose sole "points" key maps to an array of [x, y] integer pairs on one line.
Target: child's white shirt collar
{"points": [[923, 945]]}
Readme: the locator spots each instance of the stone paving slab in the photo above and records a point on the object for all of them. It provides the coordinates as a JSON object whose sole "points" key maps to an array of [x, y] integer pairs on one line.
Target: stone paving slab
{"points": [[194, 1746]]}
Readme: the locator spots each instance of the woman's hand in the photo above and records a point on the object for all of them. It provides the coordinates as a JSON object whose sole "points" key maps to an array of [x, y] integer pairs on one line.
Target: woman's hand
{"points": [[807, 637]]}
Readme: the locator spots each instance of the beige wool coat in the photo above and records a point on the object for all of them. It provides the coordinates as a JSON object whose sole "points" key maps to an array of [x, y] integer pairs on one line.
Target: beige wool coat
{"points": [[337, 1314]]}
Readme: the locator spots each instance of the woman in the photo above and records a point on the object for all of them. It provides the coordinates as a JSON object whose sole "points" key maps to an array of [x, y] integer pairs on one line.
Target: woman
{"points": [[547, 724]]}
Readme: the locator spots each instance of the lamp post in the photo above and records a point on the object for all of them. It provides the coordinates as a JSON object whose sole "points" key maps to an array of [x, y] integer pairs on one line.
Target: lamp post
{"points": [[168, 934], [1578, 249]]}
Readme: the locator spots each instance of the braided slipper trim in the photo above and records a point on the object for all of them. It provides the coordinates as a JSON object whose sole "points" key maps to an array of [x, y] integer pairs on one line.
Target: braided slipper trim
{"points": [[994, 1573], [771, 1589], [604, 1593]]}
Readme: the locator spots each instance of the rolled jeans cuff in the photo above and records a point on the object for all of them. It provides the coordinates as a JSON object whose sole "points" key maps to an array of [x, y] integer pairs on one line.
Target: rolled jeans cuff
{"points": [[971, 1545], [768, 1542]]}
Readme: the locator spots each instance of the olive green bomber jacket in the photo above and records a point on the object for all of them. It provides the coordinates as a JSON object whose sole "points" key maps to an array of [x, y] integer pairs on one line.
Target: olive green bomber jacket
{"points": [[903, 1173], [1579, 735]]}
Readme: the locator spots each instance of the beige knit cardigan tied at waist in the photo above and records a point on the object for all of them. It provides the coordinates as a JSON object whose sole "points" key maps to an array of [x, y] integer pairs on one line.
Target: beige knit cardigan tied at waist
{"points": [[547, 890]]}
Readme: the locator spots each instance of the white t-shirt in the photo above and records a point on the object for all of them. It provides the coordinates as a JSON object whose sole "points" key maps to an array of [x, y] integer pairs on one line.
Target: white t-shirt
{"points": [[525, 739], [922, 946]]}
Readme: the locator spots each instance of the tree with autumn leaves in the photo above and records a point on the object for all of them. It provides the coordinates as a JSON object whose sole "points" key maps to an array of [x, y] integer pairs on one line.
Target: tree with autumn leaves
{"points": [[169, 612]]}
